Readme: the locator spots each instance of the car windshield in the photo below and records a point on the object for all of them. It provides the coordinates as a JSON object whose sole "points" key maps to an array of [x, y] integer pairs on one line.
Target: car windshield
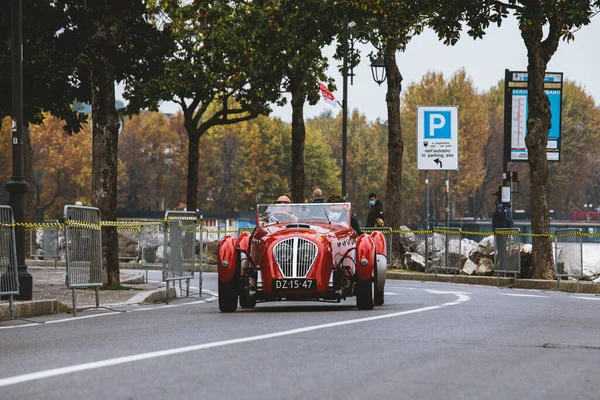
{"points": [[333, 213]]}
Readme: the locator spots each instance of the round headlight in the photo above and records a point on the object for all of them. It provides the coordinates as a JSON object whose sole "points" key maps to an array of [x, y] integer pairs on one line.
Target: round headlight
{"points": [[283, 252], [306, 252]]}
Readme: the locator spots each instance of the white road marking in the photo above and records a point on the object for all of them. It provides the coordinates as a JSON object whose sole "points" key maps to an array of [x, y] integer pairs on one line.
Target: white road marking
{"points": [[587, 298], [522, 295], [433, 291], [179, 350], [72, 319]]}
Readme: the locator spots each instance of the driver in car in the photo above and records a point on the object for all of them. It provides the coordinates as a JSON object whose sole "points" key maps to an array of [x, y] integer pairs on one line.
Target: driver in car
{"points": [[280, 212]]}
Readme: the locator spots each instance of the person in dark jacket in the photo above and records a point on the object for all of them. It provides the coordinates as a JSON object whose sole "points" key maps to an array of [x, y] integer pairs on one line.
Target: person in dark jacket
{"points": [[375, 211], [502, 217]]}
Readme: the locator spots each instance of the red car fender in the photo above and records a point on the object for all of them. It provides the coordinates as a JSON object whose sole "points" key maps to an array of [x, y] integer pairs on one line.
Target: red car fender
{"points": [[365, 257], [379, 239], [381, 252], [243, 240], [227, 259]]}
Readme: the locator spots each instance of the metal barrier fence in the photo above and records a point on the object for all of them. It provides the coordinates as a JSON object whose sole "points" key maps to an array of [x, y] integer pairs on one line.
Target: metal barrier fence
{"points": [[50, 241], [44, 240], [568, 254], [152, 238], [451, 239], [129, 243], [180, 254], [83, 249], [9, 275], [507, 252], [387, 233]]}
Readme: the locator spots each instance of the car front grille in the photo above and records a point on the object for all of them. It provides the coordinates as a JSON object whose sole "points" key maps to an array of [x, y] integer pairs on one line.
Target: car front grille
{"points": [[295, 256]]}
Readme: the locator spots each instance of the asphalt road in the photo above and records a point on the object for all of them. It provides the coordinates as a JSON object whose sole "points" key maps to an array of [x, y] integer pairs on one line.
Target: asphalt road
{"points": [[429, 341]]}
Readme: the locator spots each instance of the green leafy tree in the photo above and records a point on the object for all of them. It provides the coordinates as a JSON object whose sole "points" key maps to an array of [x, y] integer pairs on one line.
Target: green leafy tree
{"points": [[49, 64], [542, 25], [290, 35], [390, 25], [212, 71], [114, 42]]}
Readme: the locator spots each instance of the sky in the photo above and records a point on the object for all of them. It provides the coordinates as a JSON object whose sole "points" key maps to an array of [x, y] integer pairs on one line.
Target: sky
{"points": [[484, 61]]}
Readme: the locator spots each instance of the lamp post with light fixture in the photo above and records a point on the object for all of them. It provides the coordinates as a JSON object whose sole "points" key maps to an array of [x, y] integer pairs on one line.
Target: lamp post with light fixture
{"points": [[379, 76]]}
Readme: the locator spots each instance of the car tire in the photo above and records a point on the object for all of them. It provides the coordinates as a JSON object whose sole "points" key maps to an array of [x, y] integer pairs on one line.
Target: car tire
{"points": [[246, 301], [379, 297], [378, 294], [365, 291], [229, 292]]}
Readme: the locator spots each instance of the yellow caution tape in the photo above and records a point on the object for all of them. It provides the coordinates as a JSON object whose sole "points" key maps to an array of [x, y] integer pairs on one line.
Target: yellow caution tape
{"points": [[482, 233], [83, 224], [448, 231], [547, 235], [182, 218]]}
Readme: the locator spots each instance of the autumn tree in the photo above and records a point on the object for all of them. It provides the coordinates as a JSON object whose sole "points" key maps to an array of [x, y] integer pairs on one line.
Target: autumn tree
{"points": [[321, 169], [483, 205], [542, 25], [579, 166], [62, 166], [457, 90], [245, 164], [155, 156]]}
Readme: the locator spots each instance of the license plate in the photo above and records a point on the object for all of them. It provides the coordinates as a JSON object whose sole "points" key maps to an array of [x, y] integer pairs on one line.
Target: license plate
{"points": [[294, 284]]}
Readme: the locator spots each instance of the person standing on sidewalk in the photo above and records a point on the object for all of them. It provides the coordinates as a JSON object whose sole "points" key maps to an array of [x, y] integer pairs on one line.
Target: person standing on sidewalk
{"points": [[317, 196], [375, 212], [502, 218]]}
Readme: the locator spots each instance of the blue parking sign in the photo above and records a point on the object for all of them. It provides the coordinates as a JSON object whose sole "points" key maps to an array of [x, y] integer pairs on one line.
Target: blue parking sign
{"points": [[437, 125], [437, 138]]}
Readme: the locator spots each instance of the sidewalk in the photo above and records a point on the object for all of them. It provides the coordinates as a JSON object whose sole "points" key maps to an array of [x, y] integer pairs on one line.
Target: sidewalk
{"points": [[52, 296]]}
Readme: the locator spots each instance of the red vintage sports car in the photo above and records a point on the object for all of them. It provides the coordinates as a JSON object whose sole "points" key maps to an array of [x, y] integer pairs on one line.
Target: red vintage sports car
{"points": [[297, 252]]}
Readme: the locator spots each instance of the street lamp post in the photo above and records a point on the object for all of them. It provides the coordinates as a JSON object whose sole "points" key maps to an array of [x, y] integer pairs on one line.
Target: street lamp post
{"points": [[588, 210], [17, 186], [379, 76]]}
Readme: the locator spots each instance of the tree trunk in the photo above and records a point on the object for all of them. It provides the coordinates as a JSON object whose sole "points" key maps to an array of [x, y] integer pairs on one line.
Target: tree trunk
{"points": [[538, 125], [105, 138], [193, 164], [298, 90], [393, 214]]}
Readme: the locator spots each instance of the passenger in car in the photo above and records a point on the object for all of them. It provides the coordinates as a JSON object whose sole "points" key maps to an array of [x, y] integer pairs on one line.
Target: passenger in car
{"points": [[353, 221]]}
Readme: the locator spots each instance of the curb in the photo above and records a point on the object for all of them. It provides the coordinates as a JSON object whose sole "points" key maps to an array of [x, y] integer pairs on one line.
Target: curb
{"points": [[33, 308], [569, 286]]}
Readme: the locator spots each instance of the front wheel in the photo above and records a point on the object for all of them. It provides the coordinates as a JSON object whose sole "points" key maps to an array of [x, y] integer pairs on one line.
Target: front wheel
{"points": [[365, 294], [378, 297], [228, 295]]}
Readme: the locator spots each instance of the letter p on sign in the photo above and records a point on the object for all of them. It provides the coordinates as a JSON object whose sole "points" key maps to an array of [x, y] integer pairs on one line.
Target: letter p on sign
{"points": [[437, 125]]}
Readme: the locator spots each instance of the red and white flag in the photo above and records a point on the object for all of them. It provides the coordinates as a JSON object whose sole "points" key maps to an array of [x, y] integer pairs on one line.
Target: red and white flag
{"points": [[327, 95]]}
